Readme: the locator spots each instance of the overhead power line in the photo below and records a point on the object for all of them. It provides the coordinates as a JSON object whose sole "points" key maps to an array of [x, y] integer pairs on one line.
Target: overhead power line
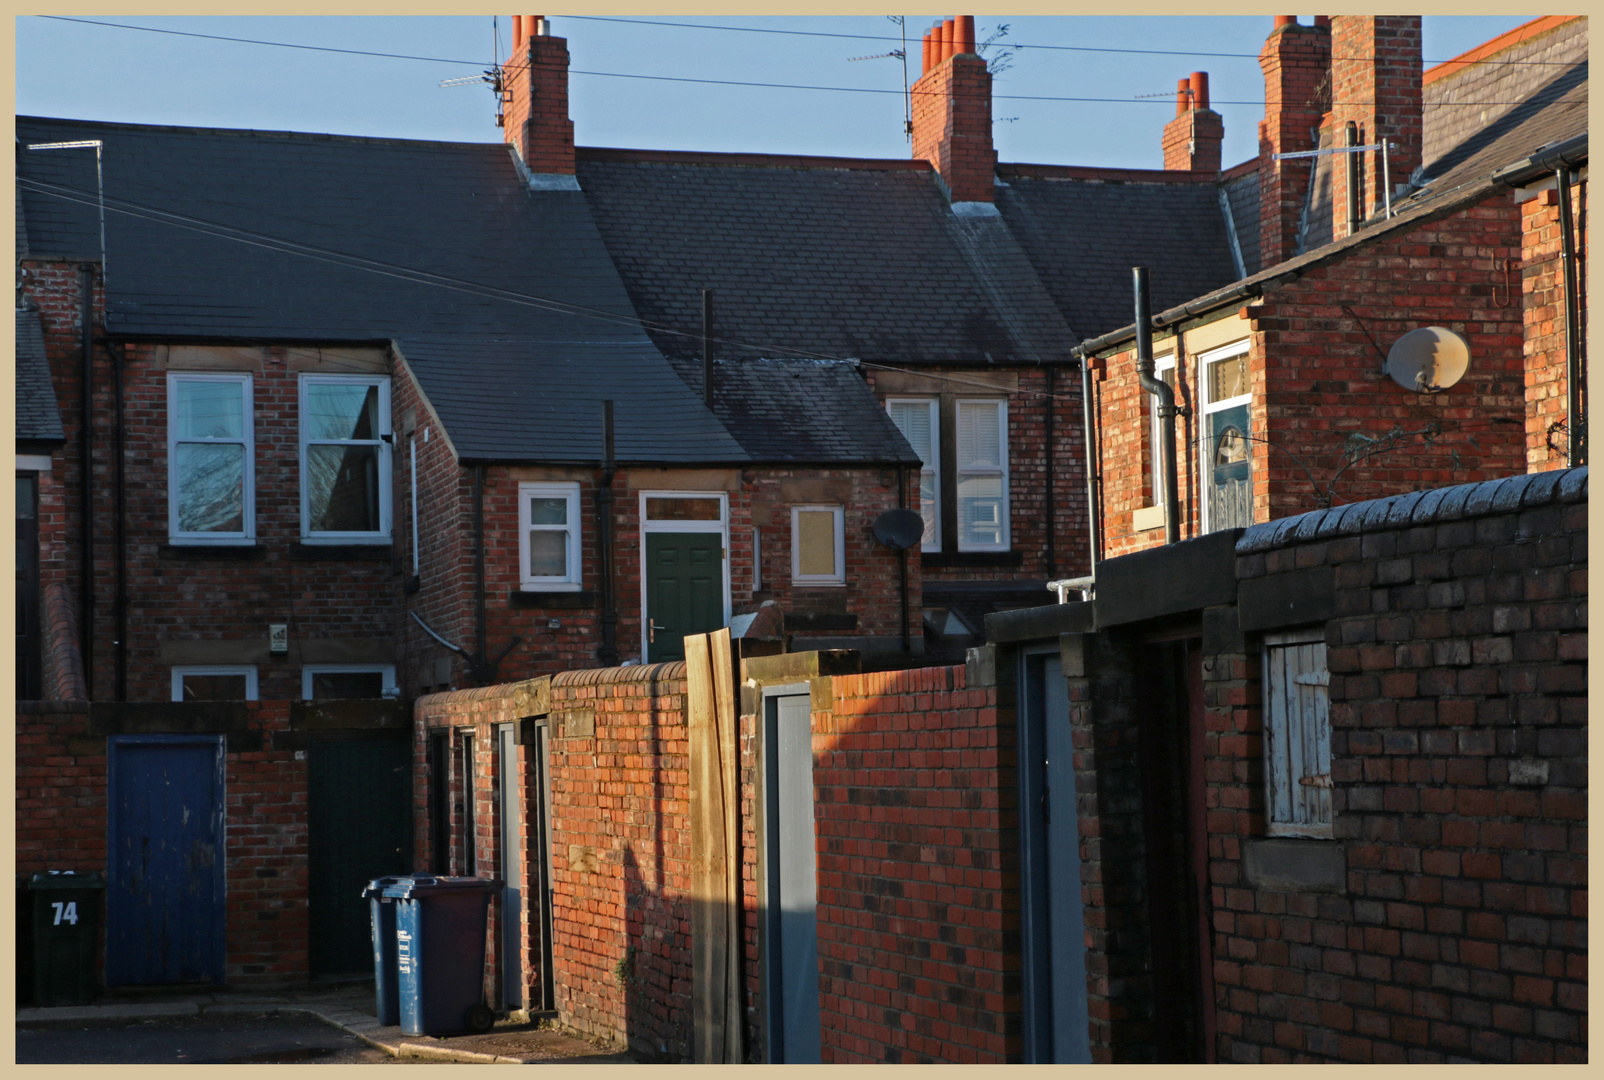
{"points": [[257, 41]]}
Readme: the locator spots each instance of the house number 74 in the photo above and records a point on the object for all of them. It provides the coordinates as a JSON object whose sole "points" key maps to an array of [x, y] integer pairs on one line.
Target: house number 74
{"points": [[66, 913]]}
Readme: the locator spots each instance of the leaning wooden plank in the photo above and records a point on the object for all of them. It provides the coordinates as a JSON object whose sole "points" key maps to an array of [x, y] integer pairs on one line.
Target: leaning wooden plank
{"points": [[709, 931], [728, 721]]}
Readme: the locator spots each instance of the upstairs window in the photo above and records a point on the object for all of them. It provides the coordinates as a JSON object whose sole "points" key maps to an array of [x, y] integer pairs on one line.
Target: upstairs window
{"points": [[345, 459], [919, 420], [1164, 371], [1297, 735], [210, 472], [982, 463], [548, 537], [327, 682]]}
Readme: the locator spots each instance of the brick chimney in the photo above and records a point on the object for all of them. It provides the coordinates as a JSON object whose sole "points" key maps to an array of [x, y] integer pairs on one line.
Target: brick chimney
{"points": [[952, 112], [535, 98], [1192, 140], [1296, 61], [1375, 95]]}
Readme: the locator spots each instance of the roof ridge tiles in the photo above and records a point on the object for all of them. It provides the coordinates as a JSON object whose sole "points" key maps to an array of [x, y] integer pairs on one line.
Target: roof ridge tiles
{"points": [[625, 155]]}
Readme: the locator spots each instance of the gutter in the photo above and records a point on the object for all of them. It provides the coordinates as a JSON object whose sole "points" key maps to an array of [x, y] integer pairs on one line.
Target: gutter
{"points": [[1567, 154]]}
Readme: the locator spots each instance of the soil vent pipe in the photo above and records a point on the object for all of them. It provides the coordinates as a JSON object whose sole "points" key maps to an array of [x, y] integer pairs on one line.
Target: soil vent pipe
{"points": [[1166, 401]]}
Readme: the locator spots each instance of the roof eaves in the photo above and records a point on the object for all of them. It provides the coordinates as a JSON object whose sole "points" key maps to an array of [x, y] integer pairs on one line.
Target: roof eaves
{"points": [[1568, 153]]}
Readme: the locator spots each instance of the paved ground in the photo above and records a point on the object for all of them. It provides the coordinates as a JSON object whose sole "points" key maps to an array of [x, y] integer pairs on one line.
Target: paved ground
{"points": [[311, 1024]]}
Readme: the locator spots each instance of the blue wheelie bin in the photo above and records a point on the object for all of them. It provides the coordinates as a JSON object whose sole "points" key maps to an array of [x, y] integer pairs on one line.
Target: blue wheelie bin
{"points": [[440, 952], [385, 985]]}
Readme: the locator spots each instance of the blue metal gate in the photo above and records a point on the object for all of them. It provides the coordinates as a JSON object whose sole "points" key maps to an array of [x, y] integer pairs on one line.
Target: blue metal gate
{"points": [[164, 880]]}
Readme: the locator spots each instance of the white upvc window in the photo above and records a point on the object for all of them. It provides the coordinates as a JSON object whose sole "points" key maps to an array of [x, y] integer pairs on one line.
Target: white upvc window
{"points": [[345, 459], [982, 466], [1164, 371], [214, 682], [919, 420], [1297, 735], [210, 466], [548, 537], [325, 682], [1225, 452], [818, 546]]}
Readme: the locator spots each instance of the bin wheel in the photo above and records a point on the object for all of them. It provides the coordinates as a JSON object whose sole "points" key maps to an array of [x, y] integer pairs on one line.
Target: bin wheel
{"points": [[480, 1018]]}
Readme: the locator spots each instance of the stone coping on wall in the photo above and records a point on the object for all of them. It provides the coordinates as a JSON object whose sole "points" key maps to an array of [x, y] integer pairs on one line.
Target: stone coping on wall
{"points": [[1506, 496]]}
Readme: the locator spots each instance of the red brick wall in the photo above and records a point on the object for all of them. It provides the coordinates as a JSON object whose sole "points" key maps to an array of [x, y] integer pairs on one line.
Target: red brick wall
{"points": [[952, 127], [539, 74], [1316, 380], [914, 870], [1543, 293], [1375, 82], [62, 825], [1458, 714]]}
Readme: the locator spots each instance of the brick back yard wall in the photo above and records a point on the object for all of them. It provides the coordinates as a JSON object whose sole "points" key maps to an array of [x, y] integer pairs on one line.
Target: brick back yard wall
{"points": [[1458, 702], [62, 825], [917, 909], [1317, 381]]}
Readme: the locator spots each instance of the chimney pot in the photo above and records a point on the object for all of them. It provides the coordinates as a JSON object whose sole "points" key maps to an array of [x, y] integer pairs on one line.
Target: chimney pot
{"points": [[1200, 90], [948, 30], [926, 69], [1183, 96], [951, 122], [517, 32], [966, 34], [1285, 20]]}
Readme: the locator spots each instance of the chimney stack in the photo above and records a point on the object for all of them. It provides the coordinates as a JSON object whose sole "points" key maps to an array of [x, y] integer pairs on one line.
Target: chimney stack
{"points": [[1375, 87], [535, 98], [1192, 140], [952, 113], [1296, 61]]}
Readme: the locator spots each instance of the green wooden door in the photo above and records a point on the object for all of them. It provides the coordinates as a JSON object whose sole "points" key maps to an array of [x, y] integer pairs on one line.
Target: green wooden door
{"points": [[684, 590]]}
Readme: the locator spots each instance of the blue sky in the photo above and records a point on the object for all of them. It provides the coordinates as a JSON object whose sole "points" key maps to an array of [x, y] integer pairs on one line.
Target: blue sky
{"points": [[70, 69]]}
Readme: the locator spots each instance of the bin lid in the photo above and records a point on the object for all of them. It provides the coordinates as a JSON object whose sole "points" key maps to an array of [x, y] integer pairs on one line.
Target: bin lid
{"points": [[66, 879], [423, 884], [375, 889]]}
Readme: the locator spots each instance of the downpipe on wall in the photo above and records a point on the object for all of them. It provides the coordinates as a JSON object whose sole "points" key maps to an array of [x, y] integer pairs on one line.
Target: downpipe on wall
{"points": [[1166, 401]]}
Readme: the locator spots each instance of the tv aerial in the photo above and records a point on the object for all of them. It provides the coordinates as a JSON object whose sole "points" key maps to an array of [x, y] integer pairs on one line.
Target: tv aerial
{"points": [[1428, 360]]}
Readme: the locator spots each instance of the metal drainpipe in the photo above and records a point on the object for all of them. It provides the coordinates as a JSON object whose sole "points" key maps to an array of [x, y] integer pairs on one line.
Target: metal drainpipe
{"points": [[1090, 434], [1166, 401], [120, 609], [607, 654], [1575, 422], [480, 644], [1047, 499], [902, 560], [86, 443]]}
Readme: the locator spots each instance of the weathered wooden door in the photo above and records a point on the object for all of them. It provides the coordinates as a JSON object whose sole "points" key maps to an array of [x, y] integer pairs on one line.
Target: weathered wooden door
{"points": [[1057, 1025], [791, 988], [164, 870], [684, 590], [359, 827]]}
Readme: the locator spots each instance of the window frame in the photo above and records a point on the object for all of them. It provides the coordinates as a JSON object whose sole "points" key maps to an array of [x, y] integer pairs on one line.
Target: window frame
{"points": [[838, 534], [573, 581], [932, 514], [1006, 512], [1280, 812], [247, 440], [1155, 428], [382, 440], [386, 671], [1206, 408], [247, 670]]}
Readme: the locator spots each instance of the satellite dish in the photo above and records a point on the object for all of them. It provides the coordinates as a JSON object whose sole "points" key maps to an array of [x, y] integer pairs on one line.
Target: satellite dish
{"points": [[899, 529], [1428, 360]]}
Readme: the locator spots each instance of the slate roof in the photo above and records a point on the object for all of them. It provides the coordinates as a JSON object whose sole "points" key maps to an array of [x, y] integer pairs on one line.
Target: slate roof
{"points": [[814, 411], [816, 259], [267, 236], [1083, 236], [38, 415]]}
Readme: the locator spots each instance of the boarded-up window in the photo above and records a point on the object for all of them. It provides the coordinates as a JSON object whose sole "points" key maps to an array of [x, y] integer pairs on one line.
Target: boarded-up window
{"points": [[1297, 735], [817, 546]]}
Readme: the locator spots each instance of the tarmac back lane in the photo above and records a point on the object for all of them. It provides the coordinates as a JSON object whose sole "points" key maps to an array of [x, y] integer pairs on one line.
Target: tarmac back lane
{"points": [[314, 1024]]}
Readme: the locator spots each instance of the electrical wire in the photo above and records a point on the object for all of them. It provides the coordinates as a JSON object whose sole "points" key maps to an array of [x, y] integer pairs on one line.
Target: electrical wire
{"points": [[423, 277], [256, 41]]}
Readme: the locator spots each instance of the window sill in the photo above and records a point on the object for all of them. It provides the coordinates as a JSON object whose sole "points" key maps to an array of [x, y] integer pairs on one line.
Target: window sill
{"points": [[244, 550], [971, 558], [344, 552], [528, 598]]}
